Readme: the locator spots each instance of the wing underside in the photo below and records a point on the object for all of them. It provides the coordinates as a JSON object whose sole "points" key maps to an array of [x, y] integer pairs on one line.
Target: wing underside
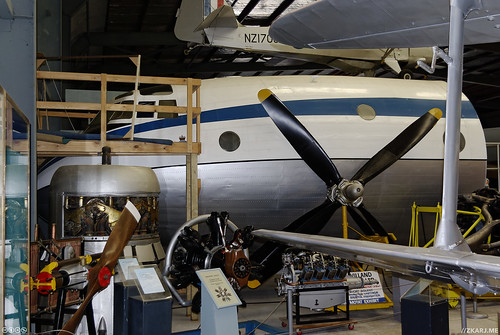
{"points": [[336, 24]]}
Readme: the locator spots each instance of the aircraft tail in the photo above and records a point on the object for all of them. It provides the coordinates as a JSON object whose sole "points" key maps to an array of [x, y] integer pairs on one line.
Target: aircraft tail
{"points": [[195, 15], [221, 17]]}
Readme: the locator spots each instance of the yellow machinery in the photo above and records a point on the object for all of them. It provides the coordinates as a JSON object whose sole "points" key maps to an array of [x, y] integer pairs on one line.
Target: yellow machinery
{"points": [[415, 213], [451, 292]]}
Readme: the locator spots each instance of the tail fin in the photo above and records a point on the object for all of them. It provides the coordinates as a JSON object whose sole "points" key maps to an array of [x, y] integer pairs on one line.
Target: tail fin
{"points": [[223, 17], [195, 15]]}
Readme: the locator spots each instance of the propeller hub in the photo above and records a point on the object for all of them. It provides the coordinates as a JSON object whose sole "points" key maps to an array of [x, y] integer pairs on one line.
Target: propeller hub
{"points": [[354, 190], [347, 192], [104, 276]]}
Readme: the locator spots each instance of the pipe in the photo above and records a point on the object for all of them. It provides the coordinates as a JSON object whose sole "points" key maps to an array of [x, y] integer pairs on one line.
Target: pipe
{"points": [[463, 310], [170, 251], [289, 310], [106, 155]]}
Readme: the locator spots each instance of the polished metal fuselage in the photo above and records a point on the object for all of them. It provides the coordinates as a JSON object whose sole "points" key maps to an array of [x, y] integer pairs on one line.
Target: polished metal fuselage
{"points": [[275, 193], [264, 182]]}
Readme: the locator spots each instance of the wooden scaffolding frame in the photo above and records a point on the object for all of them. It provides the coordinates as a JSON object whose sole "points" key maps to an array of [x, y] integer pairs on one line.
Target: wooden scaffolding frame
{"points": [[54, 146]]}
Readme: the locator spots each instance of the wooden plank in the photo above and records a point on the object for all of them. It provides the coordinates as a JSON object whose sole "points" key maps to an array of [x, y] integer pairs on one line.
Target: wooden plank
{"points": [[198, 115], [191, 208], [136, 92], [49, 138], [86, 106], [93, 148], [21, 146], [68, 76], [104, 121], [76, 115], [191, 185], [189, 117], [112, 78], [40, 62], [68, 105], [146, 80]]}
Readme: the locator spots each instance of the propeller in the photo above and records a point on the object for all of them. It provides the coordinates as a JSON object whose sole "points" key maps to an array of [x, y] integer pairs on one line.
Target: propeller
{"points": [[100, 275], [340, 191]]}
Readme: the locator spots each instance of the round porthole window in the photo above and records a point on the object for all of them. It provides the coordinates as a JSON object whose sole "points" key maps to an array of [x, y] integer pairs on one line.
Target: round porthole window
{"points": [[366, 112], [462, 141], [229, 141]]}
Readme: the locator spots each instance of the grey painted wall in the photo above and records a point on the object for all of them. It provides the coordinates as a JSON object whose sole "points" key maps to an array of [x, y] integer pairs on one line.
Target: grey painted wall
{"points": [[17, 67]]}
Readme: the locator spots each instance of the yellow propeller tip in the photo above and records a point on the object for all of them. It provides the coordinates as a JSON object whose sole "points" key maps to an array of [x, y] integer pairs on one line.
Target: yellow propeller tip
{"points": [[254, 283], [264, 94], [436, 112]]}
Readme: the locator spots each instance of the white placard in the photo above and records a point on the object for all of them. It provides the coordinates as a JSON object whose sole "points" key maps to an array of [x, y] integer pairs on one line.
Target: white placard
{"points": [[370, 293], [149, 281], [221, 292], [127, 265]]}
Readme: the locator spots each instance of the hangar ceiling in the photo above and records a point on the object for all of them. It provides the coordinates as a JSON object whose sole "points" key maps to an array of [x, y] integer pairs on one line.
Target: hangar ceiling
{"points": [[98, 34]]}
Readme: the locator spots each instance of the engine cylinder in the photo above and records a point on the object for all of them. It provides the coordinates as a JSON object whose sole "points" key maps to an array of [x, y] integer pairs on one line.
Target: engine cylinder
{"points": [[86, 200]]}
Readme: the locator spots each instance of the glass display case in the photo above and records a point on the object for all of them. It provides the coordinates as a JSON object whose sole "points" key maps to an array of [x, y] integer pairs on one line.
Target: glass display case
{"points": [[15, 212]]}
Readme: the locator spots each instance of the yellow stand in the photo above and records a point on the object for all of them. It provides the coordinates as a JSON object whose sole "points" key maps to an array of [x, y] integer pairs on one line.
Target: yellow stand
{"points": [[451, 292]]}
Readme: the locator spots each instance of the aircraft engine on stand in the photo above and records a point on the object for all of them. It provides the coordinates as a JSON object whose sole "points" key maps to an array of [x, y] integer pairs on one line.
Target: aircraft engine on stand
{"points": [[86, 202]]}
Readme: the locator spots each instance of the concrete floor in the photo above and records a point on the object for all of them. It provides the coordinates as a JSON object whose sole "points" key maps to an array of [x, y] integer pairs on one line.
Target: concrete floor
{"points": [[264, 306]]}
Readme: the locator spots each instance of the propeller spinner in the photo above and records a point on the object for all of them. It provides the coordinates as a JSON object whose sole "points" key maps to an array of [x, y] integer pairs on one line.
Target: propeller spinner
{"points": [[340, 191]]}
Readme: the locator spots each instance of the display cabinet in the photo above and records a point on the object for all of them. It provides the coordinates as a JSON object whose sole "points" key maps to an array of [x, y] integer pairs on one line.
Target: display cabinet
{"points": [[15, 216]]}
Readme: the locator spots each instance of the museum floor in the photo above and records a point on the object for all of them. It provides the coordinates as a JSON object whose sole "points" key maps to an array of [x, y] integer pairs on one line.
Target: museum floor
{"points": [[264, 305]]}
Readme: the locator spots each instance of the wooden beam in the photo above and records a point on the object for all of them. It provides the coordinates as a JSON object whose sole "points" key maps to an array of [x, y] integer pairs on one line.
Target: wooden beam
{"points": [[137, 63], [191, 207], [76, 115], [21, 146], [85, 106], [198, 115], [189, 117], [104, 121], [40, 62], [93, 148], [91, 106], [49, 138], [112, 78]]}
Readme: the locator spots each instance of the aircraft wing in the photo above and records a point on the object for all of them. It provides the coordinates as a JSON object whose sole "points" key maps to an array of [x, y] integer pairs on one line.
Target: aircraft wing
{"points": [[372, 24], [478, 274]]}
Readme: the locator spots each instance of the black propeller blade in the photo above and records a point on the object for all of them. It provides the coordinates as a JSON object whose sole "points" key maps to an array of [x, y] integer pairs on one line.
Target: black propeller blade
{"points": [[268, 256], [362, 223], [300, 138], [341, 192], [363, 217], [398, 147]]}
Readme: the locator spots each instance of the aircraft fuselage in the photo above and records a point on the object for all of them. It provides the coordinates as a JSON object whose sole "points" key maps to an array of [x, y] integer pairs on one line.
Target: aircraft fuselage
{"points": [[259, 178]]}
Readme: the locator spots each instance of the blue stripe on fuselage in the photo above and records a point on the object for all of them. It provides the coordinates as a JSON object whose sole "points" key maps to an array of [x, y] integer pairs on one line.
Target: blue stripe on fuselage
{"points": [[382, 106]]}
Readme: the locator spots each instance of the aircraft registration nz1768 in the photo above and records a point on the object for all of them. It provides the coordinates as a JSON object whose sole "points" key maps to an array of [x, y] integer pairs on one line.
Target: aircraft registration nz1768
{"points": [[248, 169]]}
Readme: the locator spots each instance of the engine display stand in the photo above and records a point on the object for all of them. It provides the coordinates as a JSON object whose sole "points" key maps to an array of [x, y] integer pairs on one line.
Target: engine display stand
{"points": [[142, 305], [315, 320], [298, 328]]}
